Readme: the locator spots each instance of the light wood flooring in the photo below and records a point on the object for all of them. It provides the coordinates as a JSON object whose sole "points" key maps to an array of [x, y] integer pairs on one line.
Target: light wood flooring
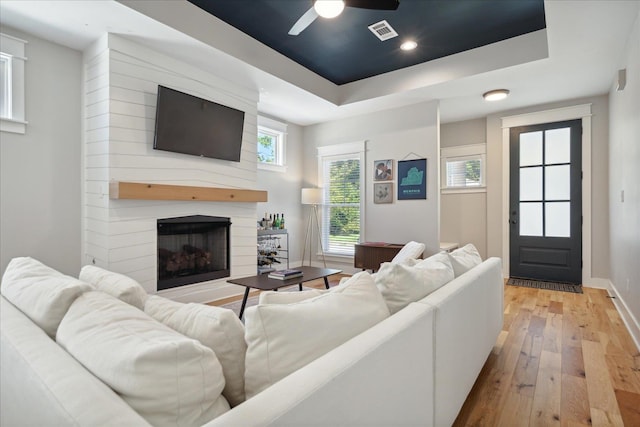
{"points": [[562, 359]]}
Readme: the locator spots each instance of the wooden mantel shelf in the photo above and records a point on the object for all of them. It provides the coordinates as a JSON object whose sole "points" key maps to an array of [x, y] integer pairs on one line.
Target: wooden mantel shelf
{"points": [[142, 191]]}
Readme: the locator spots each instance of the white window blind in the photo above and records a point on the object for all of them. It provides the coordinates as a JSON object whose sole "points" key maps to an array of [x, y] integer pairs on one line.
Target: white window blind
{"points": [[463, 168], [341, 177]]}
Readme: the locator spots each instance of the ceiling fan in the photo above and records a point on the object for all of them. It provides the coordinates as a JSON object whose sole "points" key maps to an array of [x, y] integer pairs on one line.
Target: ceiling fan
{"points": [[333, 8]]}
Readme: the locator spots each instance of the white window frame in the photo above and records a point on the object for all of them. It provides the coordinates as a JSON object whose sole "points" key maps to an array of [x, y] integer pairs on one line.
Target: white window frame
{"points": [[279, 131], [334, 152], [462, 153], [13, 85]]}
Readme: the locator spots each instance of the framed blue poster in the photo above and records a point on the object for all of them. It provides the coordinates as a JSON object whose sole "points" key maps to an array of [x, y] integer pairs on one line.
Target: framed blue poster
{"points": [[412, 179]]}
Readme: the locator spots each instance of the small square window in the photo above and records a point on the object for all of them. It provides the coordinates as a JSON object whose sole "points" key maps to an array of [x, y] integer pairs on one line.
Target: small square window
{"points": [[271, 149], [463, 168]]}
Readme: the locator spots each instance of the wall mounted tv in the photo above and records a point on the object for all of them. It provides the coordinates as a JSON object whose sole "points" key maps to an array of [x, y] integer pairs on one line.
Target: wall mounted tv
{"points": [[191, 125]]}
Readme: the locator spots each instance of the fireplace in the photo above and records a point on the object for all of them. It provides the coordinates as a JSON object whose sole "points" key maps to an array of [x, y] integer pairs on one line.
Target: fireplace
{"points": [[192, 249]]}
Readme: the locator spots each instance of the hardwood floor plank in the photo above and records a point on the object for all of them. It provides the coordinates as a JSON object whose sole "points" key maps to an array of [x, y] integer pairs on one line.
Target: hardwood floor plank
{"points": [[599, 385], [625, 375], [553, 333], [574, 401], [629, 407], [546, 401]]}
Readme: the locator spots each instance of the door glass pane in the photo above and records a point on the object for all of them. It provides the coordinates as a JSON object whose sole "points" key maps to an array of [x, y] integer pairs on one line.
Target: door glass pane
{"points": [[531, 183], [557, 146], [558, 220], [531, 219], [558, 183], [531, 148]]}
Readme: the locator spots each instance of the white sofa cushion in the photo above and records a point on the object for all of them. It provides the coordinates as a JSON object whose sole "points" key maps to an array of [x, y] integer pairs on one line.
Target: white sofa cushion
{"points": [[281, 338], [401, 284], [411, 250], [286, 297], [464, 259], [218, 328], [117, 285], [166, 377], [40, 292]]}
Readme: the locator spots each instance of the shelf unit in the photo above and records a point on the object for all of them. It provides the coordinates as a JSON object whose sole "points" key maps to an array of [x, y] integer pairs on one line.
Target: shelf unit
{"points": [[273, 250]]}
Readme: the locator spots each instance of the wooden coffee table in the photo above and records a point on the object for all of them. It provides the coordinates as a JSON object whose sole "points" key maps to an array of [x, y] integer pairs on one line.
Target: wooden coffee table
{"points": [[264, 283]]}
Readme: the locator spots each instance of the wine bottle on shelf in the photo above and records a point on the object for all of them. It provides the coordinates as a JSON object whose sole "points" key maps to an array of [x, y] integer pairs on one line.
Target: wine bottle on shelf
{"points": [[282, 222]]}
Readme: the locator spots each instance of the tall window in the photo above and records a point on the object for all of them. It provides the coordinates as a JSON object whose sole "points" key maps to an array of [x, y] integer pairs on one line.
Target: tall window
{"points": [[12, 61], [271, 144], [463, 168], [341, 177]]}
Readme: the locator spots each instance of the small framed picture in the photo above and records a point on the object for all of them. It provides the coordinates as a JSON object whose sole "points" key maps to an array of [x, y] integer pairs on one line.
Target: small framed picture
{"points": [[383, 170], [383, 193]]}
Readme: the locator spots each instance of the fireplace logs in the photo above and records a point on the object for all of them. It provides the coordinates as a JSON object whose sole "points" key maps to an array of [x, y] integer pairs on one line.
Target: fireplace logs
{"points": [[191, 260]]}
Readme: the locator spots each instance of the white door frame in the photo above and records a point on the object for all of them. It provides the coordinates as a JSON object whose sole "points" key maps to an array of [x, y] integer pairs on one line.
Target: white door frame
{"points": [[582, 112]]}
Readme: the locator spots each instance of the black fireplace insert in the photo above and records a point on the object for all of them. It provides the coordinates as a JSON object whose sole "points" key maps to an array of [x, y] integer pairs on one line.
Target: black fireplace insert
{"points": [[192, 249]]}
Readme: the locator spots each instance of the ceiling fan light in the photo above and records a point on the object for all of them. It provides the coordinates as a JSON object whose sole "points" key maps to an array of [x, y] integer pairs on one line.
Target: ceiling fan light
{"points": [[328, 8], [495, 95]]}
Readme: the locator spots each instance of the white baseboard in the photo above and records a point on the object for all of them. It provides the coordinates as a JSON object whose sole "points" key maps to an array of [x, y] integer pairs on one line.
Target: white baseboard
{"points": [[627, 316]]}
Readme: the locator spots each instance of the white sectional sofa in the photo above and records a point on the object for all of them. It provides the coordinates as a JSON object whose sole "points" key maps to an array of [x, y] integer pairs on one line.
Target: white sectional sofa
{"points": [[415, 367]]}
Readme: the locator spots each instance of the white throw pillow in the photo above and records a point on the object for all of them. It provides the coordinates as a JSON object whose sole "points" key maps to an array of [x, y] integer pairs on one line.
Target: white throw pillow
{"points": [[167, 378], [411, 250], [464, 259], [281, 338], [218, 328], [117, 285], [40, 292], [402, 284]]}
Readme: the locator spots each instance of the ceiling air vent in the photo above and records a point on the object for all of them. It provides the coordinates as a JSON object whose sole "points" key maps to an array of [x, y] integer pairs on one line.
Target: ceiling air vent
{"points": [[383, 30]]}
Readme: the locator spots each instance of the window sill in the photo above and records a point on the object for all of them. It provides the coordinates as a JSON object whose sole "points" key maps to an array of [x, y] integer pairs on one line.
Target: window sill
{"points": [[272, 168], [462, 190], [13, 126]]}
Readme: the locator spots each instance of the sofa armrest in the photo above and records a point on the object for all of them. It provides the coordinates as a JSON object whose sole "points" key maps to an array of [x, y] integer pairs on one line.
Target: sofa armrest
{"points": [[383, 376], [41, 384], [469, 315]]}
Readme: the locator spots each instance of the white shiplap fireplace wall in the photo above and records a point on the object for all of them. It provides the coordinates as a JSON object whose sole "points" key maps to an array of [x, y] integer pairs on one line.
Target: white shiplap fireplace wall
{"points": [[121, 80]]}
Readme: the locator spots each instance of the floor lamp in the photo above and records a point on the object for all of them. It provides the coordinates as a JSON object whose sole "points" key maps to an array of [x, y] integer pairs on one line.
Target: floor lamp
{"points": [[313, 197]]}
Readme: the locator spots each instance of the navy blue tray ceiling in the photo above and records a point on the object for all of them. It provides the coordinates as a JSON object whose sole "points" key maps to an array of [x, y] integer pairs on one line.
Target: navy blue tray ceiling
{"points": [[343, 49]]}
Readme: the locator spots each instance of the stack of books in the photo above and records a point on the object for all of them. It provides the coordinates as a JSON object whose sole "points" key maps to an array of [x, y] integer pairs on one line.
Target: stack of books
{"points": [[285, 274]]}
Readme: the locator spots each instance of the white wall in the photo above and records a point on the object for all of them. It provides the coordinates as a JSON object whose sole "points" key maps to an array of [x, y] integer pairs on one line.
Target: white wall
{"points": [[399, 134], [121, 235], [463, 216], [40, 170], [284, 192], [624, 175]]}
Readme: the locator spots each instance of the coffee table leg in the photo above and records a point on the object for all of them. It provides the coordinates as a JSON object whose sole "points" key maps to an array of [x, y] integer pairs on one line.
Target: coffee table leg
{"points": [[244, 302], [300, 286], [326, 282]]}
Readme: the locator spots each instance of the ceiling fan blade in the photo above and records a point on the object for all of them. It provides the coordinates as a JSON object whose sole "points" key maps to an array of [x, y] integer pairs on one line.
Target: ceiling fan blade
{"points": [[373, 4], [304, 21]]}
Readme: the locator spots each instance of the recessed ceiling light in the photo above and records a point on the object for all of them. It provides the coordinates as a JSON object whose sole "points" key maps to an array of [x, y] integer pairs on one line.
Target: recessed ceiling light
{"points": [[328, 8], [495, 95], [408, 45]]}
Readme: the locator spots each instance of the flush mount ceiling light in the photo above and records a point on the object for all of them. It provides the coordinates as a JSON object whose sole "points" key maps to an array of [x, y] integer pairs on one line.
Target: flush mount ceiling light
{"points": [[328, 8], [408, 45], [495, 95]]}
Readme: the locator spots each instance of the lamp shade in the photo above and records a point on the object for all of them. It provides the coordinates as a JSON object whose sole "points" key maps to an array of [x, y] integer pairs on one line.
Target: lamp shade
{"points": [[311, 196]]}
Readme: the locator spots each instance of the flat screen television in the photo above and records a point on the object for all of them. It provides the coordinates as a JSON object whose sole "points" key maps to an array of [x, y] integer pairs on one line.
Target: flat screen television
{"points": [[191, 125]]}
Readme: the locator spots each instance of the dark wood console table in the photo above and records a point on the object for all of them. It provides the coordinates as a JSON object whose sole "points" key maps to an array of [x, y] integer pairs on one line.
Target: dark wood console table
{"points": [[369, 256]]}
